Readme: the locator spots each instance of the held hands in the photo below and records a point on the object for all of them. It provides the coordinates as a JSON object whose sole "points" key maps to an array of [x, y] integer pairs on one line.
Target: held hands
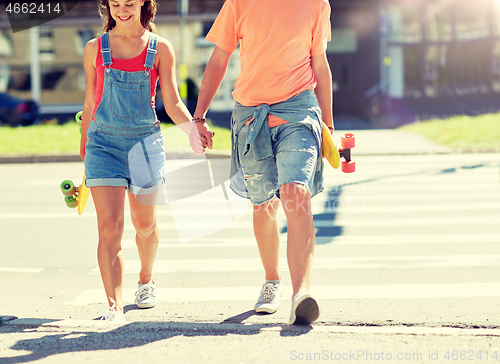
{"points": [[200, 136]]}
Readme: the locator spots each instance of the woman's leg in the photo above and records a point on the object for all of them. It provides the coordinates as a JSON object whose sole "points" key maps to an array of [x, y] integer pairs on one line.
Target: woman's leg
{"points": [[109, 204], [143, 213]]}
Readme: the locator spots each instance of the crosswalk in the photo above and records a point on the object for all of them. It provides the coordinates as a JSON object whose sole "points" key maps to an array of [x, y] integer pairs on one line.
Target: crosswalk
{"points": [[397, 215]]}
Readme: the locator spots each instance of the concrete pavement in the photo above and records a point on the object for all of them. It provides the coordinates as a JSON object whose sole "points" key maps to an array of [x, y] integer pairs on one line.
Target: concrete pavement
{"points": [[423, 233]]}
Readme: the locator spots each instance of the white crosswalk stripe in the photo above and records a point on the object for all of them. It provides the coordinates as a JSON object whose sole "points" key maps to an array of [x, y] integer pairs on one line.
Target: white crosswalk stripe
{"points": [[441, 208], [210, 294]]}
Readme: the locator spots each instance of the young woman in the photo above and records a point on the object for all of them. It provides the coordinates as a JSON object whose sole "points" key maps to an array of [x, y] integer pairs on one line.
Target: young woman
{"points": [[283, 94], [122, 143]]}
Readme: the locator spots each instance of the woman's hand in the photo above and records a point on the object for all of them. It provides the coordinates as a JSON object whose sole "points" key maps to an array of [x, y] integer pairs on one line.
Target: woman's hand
{"points": [[200, 137]]}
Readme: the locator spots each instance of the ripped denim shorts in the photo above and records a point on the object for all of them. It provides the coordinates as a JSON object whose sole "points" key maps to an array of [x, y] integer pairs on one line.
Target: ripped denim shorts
{"points": [[295, 155]]}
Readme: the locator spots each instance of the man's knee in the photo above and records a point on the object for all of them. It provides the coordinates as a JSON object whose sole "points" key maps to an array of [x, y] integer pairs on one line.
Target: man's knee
{"points": [[295, 197], [267, 209]]}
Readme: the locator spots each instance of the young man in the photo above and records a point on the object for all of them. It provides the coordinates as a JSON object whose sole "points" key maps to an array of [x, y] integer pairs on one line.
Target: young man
{"points": [[282, 95]]}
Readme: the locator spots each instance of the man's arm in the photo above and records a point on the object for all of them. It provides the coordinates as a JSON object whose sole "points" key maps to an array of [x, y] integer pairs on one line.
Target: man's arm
{"points": [[323, 90], [212, 78]]}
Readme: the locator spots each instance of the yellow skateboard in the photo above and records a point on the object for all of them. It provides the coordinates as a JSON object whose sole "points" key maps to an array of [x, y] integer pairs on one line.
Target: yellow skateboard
{"points": [[76, 196], [334, 154]]}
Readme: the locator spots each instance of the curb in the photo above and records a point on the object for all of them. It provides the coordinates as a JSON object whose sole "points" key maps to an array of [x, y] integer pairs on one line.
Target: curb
{"points": [[73, 157], [239, 327], [5, 319]]}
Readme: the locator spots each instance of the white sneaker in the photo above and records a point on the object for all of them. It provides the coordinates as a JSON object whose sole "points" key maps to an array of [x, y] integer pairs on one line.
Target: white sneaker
{"points": [[145, 296], [305, 309], [270, 295], [113, 315]]}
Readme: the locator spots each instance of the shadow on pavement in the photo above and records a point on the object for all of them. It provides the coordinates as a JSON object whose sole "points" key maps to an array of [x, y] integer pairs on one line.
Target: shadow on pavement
{"points": [[113, 336]]}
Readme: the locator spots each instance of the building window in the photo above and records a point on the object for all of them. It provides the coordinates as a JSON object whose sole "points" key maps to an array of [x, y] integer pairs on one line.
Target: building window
{"points": [[6, 49], [404, 24], [47, 44], [344, 40], [81, 38], [438, 22], [471, 20]]}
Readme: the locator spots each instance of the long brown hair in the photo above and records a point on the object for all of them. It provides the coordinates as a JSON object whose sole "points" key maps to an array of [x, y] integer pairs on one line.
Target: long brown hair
{"points": [[148, 12]]}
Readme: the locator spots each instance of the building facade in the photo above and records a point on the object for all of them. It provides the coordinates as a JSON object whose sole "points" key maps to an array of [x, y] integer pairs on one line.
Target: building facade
{"points": [[393, 61]]}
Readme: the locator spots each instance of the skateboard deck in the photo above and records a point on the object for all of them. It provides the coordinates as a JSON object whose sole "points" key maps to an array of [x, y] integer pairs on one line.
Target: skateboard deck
{"points": [[334, 155], [76, 196], [330, 150]]}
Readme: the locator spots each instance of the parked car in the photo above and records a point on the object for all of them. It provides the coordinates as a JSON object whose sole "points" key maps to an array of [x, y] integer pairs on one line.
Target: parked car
{"points": [[17, 112]]}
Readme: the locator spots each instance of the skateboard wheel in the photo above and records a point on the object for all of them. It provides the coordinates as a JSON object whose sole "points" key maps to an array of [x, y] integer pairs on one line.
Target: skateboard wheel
{"points": [[71, 201], [78, 118], [68, 188], [347, 141], [348, 167]]}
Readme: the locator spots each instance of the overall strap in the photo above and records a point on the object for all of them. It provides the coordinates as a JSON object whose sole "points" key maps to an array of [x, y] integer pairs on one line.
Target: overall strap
{"points": [[151, 53], [105, 50]]}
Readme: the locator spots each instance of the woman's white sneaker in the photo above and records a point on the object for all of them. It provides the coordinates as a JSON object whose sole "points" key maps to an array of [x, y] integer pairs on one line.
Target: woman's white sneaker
{"points": [[112, 314]]}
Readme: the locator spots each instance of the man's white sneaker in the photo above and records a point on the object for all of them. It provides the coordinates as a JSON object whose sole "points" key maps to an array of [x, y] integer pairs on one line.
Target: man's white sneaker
{"points": [[145, 296], [270, 295], [305, 309]]}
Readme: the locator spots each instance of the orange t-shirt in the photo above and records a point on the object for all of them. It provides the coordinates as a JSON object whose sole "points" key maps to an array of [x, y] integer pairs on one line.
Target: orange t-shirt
{"points": [[277, 39]]}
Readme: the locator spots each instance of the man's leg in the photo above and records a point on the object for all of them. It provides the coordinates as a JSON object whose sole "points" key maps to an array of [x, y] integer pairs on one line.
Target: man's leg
{"points": [[296, 201], [266, 231]]}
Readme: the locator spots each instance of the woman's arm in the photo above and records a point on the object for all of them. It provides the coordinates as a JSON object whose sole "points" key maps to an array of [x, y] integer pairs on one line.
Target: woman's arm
{"points": [[323, 89], [174, 106], [89, 56]]}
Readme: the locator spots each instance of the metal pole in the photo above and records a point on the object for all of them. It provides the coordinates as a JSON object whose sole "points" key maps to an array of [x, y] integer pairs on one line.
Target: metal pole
{"points": [[35, 70], [182, 9]]}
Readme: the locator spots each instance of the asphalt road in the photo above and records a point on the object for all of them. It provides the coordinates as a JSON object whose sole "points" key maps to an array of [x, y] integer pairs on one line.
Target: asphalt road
{"points": [[407, 268]]}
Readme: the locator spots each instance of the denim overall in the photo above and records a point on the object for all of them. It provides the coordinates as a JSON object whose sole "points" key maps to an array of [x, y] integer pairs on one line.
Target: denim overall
{"points": [[124, 142]]}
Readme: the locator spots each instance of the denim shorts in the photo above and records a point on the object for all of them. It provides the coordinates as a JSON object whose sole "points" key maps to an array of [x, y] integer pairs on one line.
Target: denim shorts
{"points": [[295, 157], [134, 159]]}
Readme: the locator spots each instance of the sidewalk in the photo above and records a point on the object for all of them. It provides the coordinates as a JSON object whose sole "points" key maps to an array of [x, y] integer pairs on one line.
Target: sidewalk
{"points": [[368, 142]]}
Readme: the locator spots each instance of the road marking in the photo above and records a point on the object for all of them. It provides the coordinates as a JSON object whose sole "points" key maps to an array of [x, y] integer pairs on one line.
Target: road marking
{"points": [[358, 208], [342, 204], [211, 294], [327, 263], [484, 238], [104, 326], [20, 270], [344, 221]]}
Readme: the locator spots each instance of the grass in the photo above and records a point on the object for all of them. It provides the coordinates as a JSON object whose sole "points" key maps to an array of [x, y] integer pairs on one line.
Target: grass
{"points": [[461, 133], [477, 134], [43, 139]]}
